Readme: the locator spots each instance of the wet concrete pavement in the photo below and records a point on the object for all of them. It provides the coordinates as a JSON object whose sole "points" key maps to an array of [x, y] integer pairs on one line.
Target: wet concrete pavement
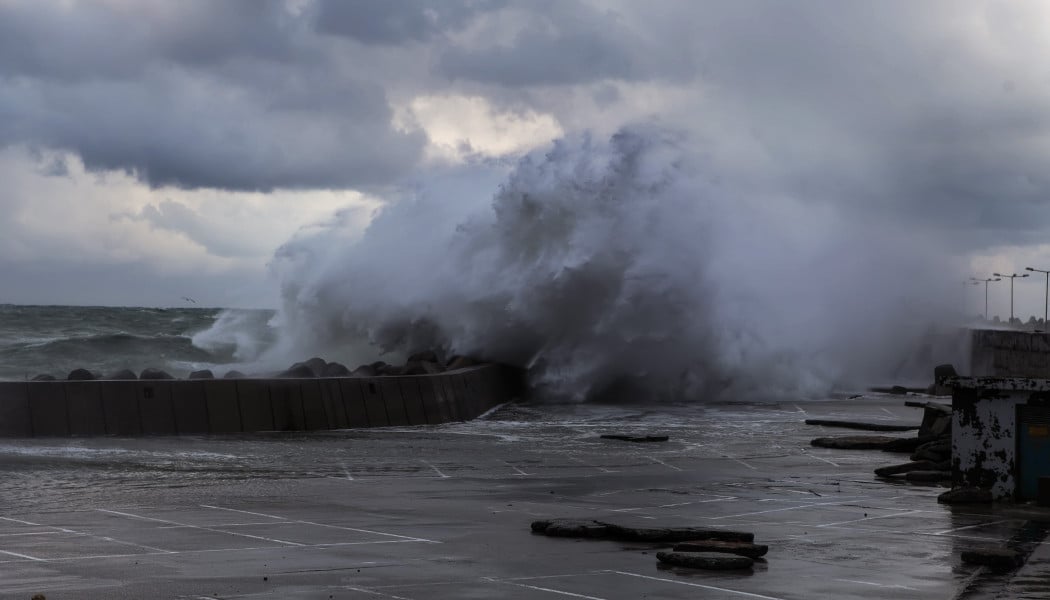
{"points": [[444, 511]]}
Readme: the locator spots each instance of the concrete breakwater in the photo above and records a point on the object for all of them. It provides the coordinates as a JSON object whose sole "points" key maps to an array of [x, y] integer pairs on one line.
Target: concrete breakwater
{"points": [[222, 406]]}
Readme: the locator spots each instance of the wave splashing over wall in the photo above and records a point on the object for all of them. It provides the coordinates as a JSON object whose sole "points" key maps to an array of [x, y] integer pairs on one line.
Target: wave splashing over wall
{"points": [[605, 268]]}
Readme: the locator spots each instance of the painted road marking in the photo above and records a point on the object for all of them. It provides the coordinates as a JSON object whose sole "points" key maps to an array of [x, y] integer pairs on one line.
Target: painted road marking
{"points": [[542, 589], [698, 585], [436, 470], [211, 529], [406, 538]]}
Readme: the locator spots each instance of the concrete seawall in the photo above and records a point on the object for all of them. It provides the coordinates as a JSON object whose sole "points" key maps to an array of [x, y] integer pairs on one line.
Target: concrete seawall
{"points": [[217, 406], [1009, 353]]}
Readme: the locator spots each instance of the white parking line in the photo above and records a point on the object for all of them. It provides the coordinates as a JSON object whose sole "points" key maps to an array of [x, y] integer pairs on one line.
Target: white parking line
{"points": [[407, 538], [542, 589], [698, 585], [211, 529]]}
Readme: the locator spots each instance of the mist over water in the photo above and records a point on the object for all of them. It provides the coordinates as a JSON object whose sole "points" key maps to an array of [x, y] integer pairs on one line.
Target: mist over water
{"points": [[621, 267]]}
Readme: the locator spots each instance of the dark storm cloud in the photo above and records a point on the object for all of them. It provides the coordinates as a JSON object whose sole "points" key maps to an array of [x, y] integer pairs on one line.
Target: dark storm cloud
{"points": [[234, 95], [396, 22]]}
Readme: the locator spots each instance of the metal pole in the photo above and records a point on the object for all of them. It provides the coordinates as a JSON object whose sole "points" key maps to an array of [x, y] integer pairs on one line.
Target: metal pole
{"points": [[1011, 299], [1046, 299], [985, 299]]}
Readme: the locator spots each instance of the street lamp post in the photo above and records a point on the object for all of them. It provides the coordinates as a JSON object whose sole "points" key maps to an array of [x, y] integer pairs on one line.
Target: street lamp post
{"points": [[1046, 298], [975, 280], [1012, 277]]}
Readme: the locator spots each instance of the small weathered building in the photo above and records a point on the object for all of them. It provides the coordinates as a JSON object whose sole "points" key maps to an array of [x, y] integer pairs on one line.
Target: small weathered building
{"points": [[1000, 434]]}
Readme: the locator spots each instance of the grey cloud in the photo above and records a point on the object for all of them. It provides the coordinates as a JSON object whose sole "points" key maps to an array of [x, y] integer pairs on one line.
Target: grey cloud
{"points": [[179, 218], [395, 22]]}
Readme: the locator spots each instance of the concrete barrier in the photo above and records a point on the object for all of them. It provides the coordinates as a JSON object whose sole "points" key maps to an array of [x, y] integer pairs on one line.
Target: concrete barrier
{"points": [[120, 405], [48, 409], [190, 407], [353, 402], [86, 417], [287, 401], [374, 406], [315, 416], [224, 410], [253, 397], [14, 409], [332, 399], [165, 407], [414, 408], [156, 408]]}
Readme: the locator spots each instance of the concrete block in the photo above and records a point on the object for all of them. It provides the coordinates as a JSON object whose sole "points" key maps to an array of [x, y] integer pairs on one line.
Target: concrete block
{"points": [[86, 416], [287, 402], [354, 402], [253, 396], [432, 394], [332, 398], [452, 398], [224, 410], [190, 407], [155, 407], [48, 408], [392, 399], [315, 416], [374, 406], [465, 397], [413, 401], [14, 409], [120, 404]]}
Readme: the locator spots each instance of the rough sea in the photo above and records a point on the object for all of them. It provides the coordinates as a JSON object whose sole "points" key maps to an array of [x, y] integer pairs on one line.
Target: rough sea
{"points": [[55, 340]]}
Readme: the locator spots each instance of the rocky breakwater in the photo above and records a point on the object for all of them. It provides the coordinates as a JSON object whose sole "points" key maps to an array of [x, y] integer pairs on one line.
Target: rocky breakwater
{"points": [[310, 395]]}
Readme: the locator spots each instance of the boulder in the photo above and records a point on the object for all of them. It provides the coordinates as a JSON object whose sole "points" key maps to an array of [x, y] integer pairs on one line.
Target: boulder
{"points": [[942, 371], [425, 356], [966, 496], [936, 451], [416, 367], [316, 364], [854, 442], [460, 362], [234, 374], [390, 370], [928, 476], [152, 373], [922, 465], [741, 548], [899, 390], [576, 528], [334, 369], [364, 371], [298, 371], [705, 560], [907, 444], [202, 374], [44, 377], [859, 425], [80, 375], [123, 374], [997, 558], [674, 534], [936, 420], [634, 438]]}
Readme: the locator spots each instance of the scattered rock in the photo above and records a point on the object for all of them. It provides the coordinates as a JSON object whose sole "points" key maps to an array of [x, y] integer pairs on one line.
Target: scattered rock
{"points": [[705, 560], [928, 476], [634, 438], [577, 528], [152, 373], [741, 548], [908, 444], [859, 425], [38, 597], [899, 390], [298, 371], [966, 496], [674, 534], [334, 369], [234, 375], [922, 465], [854, 442], [44, 377], [425, 356], [460, 362], [80, 375], [364, 371], [997, 558], [123, 374], [416, 367], [202, 374]]}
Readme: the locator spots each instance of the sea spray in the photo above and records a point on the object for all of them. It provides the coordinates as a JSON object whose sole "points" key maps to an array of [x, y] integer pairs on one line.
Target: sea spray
{"points": [[620, 267]]}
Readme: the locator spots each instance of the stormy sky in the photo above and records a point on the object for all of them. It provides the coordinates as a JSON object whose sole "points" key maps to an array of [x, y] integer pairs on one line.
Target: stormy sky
{"points": [[151, 150]]}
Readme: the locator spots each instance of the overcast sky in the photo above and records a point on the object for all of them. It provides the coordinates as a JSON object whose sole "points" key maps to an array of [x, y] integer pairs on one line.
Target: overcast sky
{"points": [[151, 150]]}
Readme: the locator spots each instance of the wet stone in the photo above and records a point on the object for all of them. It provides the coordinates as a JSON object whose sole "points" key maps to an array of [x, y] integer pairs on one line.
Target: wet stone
{"points": [[705, 560], [80, 375], [997, 558], [674, 534], [908, 444], [928, 476], [123, 374], [741, 548], [44, 377], [861, 425], [298, 371], [966, 496], [854, 442], [334, 369], [152, 373], [922, 465], [202, 374], [234, 375], [635, 438], [577, 528]]}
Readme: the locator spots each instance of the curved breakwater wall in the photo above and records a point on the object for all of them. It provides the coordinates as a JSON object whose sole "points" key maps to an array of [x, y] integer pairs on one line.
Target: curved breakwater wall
{"points": [[207, 406]]}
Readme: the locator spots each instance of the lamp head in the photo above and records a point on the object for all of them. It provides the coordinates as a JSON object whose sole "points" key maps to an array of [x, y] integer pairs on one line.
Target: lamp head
{"points": [[998, 274], [1029, 269]]}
